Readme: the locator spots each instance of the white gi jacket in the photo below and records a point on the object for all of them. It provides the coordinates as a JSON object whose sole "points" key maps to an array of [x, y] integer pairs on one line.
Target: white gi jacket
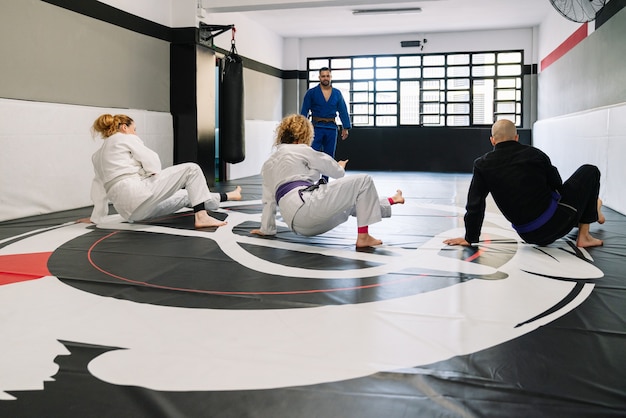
{"points": [[291, 162], [315, 212], [121, 156]]}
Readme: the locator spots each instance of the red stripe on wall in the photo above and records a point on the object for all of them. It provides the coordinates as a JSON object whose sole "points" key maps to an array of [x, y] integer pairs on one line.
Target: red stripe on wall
{"points": [[569, 43]]}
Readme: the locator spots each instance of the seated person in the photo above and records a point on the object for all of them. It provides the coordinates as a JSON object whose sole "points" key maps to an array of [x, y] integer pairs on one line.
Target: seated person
{"points": [[529, 192], [310, 208], [129, 174]]}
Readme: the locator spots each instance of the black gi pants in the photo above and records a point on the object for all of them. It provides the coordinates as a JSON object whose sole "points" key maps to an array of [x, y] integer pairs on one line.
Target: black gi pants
{"points": [[578, 204]]}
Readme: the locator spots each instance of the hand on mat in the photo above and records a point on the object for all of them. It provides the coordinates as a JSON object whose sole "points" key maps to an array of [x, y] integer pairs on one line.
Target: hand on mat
{"points": [[457, 241]]}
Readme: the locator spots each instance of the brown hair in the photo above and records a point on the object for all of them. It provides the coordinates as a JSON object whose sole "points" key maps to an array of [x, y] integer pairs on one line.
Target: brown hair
{"points": [[294, 129], [106, 125]]}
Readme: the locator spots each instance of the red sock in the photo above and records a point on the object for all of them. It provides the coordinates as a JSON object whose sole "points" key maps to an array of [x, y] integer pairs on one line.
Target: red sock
{"points": [[391, 202], [363, 230]]}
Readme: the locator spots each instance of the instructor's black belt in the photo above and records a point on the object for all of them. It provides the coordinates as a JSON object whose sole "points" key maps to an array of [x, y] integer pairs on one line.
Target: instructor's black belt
{"points": [[285, 188], [318, 119]]}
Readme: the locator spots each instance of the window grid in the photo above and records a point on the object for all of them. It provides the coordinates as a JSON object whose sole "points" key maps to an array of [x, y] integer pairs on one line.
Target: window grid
{"points": [[444, 89]]}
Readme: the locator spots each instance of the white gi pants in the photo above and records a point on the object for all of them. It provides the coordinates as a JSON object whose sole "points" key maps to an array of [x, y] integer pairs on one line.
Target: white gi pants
{"points": [[176, 187], [331, 205]]}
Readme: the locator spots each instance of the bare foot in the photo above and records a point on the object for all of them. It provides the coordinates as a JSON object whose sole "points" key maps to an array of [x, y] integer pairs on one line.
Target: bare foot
{"points": [[587, 240], [235, 194], [398, 198], [366, 240], [204, 220], [601, 218]]}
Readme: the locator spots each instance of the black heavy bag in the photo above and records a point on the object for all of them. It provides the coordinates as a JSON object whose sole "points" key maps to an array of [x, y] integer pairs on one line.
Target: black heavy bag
{"points": [[232, 136]]}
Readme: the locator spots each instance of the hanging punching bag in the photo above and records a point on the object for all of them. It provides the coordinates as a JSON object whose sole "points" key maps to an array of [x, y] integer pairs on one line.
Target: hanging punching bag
{"points": [[232, 121]]}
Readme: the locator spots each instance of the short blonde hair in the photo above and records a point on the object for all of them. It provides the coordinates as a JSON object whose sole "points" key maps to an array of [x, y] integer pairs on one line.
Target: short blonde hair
{"points": [[294, 129]]}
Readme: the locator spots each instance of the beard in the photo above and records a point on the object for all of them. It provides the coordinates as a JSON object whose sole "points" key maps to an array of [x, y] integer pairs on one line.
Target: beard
{"points": [[325, 83]]}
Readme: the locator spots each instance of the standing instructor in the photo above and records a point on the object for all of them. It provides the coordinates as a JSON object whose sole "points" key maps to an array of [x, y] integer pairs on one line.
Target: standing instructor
{"points": [[323, 102]]}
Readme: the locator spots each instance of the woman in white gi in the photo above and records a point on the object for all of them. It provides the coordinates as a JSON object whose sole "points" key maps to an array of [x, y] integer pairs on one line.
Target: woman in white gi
{"points": [[310, 208], [129, 174]]}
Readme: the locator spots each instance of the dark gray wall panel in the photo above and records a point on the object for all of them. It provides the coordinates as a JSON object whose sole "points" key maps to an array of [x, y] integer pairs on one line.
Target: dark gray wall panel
{"points": [[431, 149], [591, 75], [54, 55]]}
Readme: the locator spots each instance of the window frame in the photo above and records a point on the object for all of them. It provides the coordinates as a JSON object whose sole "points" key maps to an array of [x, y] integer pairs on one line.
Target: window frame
{"points": [[439, 103]]}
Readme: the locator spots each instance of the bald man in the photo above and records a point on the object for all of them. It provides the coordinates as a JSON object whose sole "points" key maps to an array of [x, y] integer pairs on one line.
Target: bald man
{"points": [[529, 192]]}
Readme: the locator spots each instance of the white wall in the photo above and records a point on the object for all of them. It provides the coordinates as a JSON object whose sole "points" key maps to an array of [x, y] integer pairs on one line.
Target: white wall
{"points": [[437, 42], [251, 39], [595, 137], [45, 163]]}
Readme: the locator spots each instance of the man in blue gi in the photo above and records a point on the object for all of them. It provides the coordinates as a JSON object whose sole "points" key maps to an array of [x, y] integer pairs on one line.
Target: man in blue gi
{"points": [[323, 102]]}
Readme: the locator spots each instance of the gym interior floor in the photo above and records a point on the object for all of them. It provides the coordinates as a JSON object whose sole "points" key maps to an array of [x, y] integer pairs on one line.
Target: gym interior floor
{"points": [[157, 319]]}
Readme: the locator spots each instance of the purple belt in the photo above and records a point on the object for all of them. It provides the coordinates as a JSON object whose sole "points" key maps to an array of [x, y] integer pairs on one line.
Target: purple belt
{"points": [[542, 219], [285, 188]]}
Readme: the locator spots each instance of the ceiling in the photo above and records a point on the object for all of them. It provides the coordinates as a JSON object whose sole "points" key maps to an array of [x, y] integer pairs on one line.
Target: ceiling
{"points": [[320, 18]]}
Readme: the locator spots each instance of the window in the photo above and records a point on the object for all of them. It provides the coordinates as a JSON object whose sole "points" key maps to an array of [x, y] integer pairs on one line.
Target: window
{"points": [[454, 89]]}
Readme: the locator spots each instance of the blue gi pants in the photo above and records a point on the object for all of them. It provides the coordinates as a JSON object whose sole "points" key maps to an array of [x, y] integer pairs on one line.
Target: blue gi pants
{"points": [[325, 139]]}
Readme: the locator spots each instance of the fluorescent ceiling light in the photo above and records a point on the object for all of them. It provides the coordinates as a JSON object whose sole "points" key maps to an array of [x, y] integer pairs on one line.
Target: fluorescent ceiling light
{"points": [[386, 11]]}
